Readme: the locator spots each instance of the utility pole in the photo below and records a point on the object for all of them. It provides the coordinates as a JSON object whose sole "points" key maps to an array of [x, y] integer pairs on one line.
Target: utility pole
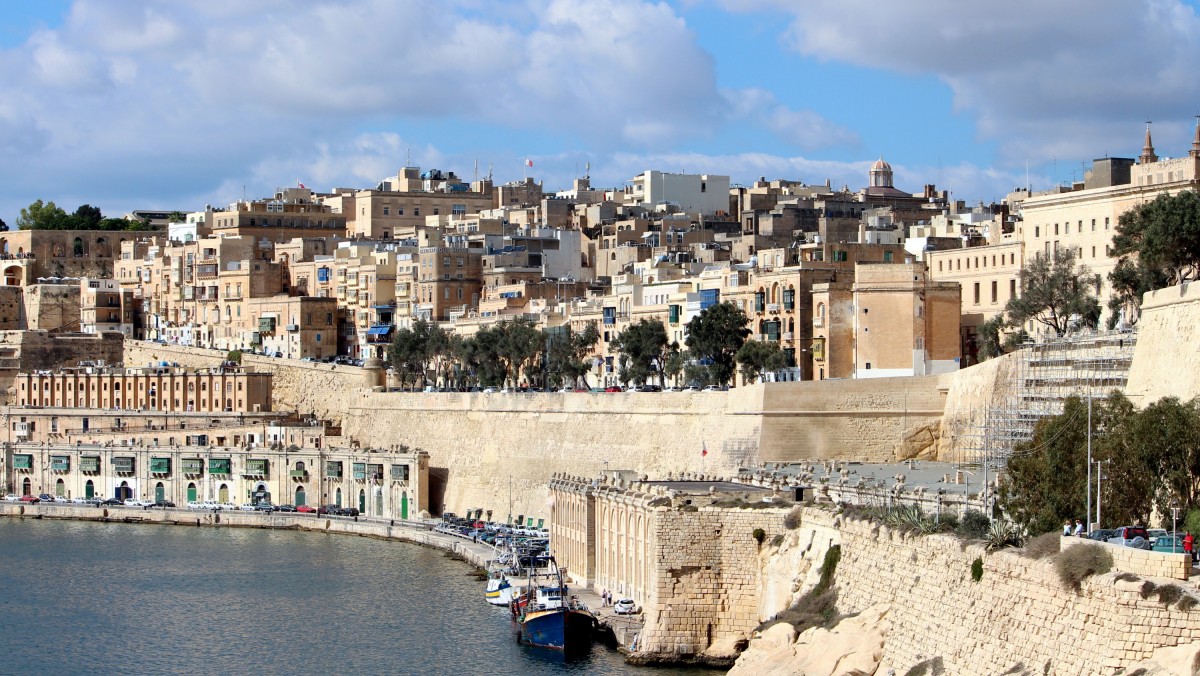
{"points": [[1089, 461]]}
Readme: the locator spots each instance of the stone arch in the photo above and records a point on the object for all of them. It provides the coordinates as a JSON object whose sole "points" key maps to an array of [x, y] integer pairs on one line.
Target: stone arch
{"points": [[12, 275], [101, 248], [4, 245], [78, 248]]}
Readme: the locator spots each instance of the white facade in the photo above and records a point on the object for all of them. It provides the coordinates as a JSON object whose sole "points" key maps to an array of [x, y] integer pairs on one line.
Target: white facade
{"points": [[699, 193]]}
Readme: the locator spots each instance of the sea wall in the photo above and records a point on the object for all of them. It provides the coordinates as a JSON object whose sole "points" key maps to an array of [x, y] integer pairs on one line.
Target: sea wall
{"points": [[1017, 618]]}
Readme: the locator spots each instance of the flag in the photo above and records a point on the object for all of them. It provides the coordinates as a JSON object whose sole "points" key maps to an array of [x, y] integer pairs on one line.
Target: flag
{"points": [[528, 162], [703, 449]]}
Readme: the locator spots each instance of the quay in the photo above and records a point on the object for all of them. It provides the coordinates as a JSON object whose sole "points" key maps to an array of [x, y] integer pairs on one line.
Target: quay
{"points": [[621, 629]]}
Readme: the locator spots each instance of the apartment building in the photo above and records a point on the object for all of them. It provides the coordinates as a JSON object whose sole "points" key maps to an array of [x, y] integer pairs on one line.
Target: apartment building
{"points": [[449, 279], [104, 306], [154, 388], [291, 213], [398, 206], [990, 276]]}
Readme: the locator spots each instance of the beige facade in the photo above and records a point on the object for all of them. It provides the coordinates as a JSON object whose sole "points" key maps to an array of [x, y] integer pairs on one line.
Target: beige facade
{"points": [[161, 388], [990, 276], [398, 207], [105, 307], [381, 483]]}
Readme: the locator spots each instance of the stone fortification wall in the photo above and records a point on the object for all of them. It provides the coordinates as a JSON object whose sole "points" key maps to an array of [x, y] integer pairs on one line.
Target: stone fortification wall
{"points": [[707, 578], [1142, 562], [304, 387], [969, 394], [846, 419], [41, 350], [1166, 362], [1018, 613]]}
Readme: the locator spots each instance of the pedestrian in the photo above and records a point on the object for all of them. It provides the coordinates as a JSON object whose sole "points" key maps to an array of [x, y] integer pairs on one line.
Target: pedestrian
{"points": [[1078, 532], [1189, 545], [1067, 528]]}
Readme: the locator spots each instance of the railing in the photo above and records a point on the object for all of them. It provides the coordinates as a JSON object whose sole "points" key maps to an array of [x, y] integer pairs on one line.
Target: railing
{"points": [[818, 322], [773, 307]]}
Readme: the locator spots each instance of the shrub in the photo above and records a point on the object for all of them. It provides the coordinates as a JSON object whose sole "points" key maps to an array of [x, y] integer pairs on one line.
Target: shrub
{"points": [[974, 525], [1081, 561], [792, 520], [777, 540], [948, 522], [1191, 522], [829, 566], [1127, 577], [1044, 545], [760, 535], [1003, 534], [818, 606], [1147, 589], [1188, 602], [977, 569], [1169, 593], [234, 356]]}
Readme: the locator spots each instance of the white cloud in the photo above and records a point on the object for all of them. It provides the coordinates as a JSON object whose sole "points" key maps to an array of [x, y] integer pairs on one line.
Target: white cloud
{"points": [[1045, 79]]}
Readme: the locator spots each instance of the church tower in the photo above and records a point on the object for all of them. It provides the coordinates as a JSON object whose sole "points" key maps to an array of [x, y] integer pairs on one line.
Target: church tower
{"points": [[881, 174], [1148, 155]]}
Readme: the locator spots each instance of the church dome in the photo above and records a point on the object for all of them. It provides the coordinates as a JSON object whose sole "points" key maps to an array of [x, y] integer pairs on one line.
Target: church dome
{"points": [[880, 165]]}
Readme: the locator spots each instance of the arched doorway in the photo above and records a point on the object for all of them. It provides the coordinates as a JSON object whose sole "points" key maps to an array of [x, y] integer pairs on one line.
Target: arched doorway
{"points": [[338, 497], [378, 502], [261, 494], [60, 488], [223, 493], [124, 492], [12, 276], [89, 490], [26, 487], [160, 492], [191, 494], [300, 496], [404, 505], [362, 501]]}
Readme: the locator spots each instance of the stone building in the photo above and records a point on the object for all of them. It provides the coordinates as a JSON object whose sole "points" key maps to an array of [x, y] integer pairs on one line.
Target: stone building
{"points": [[398, 206], [381, 483], [156, 388], [105, 307]]}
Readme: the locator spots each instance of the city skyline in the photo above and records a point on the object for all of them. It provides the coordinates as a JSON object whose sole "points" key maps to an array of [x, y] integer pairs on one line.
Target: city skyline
{"points": [[177, 105]]}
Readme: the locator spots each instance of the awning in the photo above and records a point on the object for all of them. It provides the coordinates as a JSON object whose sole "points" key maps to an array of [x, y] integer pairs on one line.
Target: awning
{"points": [[379, 330]]}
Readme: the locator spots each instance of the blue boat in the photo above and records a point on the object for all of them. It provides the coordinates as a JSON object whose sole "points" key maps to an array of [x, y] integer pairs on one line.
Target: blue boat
{"points": [[549, 620]]}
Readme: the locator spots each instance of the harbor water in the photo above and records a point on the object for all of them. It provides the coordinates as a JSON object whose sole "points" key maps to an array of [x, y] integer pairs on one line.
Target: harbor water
{"points": [[81, 597]]}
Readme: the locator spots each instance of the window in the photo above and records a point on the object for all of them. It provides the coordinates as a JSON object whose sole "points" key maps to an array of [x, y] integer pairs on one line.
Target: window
{"points": [[977, 293], [995, 291], [436, 211], [887, 256], [1037, 231], [1080, 227], [386, 210], [1106, 222], [1056, 229], [416, 211], [1012, 288], [1093, 225]]}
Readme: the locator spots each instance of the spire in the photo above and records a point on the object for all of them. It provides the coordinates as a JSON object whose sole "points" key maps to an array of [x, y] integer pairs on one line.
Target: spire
{"points": [[1195, 152], [1148, 155]]}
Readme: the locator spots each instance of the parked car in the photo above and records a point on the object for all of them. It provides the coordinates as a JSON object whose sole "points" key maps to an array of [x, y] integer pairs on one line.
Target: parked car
{"points": [[163, 504], [614, 388], [1131, 536], [132, 502], [348, 511], [1101, 534], [228, 506], [210, 504], [284, 508], [46, 497], [306, 509], [1172, 544], [111, 502], [196, 505], [625, 607], [31, 499], [12, 497], [247, 507], [61, 500], [1155, 534], [329, 509], [264, 507], [78, 501]]}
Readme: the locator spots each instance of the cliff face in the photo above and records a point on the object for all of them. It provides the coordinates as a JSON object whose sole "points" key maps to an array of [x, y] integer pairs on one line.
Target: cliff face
{"points": [[917, 593]]}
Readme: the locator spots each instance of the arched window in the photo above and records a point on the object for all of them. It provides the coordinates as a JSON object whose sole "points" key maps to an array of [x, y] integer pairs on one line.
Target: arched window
{"points": [[77, 247]]}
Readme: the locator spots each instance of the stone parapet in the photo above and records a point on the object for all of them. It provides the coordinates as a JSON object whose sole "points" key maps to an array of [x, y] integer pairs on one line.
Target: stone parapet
{"points": [[1140, 561]]}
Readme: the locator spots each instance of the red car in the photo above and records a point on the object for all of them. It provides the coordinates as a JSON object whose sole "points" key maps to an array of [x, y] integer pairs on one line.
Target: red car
{"points": [[614, 388], [31, 499], [306, 509]]}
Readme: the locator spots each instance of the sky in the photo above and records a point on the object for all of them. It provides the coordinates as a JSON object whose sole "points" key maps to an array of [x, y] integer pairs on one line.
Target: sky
{"points": [[175, 104]]}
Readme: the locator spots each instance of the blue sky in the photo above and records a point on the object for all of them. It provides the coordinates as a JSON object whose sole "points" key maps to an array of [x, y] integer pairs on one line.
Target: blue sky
{"points": [[180, 103]]}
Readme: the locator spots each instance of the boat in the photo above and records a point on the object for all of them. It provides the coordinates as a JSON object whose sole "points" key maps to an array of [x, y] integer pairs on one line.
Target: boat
{"points": [[499, 590], [549, 619]]}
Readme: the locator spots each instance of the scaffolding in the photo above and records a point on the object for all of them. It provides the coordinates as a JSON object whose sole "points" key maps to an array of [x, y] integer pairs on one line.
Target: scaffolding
{"points": [[1046, 374]]}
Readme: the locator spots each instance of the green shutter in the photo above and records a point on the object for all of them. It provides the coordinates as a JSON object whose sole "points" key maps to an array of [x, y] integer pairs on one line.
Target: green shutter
{"points": [[123, 465], [256, 467], [674, 314], [399, 472], [60, 463], [89, 464], [22, 461], [333, 468], [218, 465], [160, 465], [193, 466], [360, 470]]}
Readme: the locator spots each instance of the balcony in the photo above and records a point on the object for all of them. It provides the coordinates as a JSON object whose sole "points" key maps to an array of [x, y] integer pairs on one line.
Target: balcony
{"points": [[298, 474], [788, 335], [773, 308], [818, 322]]}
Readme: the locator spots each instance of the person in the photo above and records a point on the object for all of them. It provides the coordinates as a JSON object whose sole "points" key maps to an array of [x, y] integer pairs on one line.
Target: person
{"points": [[1067, 527], [1078, 532], [1189, 545]]}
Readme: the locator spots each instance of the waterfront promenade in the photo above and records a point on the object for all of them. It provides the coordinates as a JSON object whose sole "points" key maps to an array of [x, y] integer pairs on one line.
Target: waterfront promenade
{"points": [[624, 628]]}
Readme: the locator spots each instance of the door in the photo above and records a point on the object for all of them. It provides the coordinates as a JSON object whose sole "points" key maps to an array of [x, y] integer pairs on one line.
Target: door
{"points": [[60, 488], [362, 501], [299, 496], [338, 500], [89, 490], [224, 493], [124, 492], [160, 492], [404, 505], [191, 492], [26, 487]]}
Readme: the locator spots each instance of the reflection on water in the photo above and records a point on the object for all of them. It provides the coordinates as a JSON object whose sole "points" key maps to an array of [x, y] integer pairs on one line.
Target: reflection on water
{"points": [[78, 597]]}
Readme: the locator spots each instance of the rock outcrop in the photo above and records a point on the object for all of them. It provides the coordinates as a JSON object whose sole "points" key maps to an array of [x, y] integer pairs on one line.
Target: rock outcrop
{"points": [[1180, 660], [853, 647]]}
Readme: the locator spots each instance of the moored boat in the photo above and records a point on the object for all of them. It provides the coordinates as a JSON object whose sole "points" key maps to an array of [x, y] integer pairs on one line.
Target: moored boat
{"points": [[548, 619]]}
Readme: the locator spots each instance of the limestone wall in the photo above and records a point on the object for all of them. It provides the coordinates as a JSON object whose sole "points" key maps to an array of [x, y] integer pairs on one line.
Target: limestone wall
{"points": [[969, 394], [1142, 562], [1019, 613], [305, 387], [1166, 362]]}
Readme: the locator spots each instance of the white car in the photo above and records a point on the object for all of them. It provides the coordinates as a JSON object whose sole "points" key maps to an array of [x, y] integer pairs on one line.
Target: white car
{"points": [[196, 505], [625, 607], [228, 506], [133, 502], [210, 504], [78, 501], [60, 499], [247, 507], [489, 390], [12, 498]]}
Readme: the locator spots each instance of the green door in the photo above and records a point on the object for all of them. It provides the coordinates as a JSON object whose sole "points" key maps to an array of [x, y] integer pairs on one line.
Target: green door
{"points": [[89, 490], [299, 496], [362, 501], [338, 500], [160, 493], [191, 492], [60, 488], [404, 506]]}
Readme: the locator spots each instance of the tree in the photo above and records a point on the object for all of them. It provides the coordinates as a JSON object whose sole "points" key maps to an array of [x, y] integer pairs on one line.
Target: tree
{"points": [[758, 357], [1157, 244], [1128, 492], [86, 217], [43, 216], [176, 217], [714, 336], [1055, 291], [1168, 433], [520, 346], [568, 353], [3, 226], [676, 362], [1047, 476], [987, 339], [643, 346]]}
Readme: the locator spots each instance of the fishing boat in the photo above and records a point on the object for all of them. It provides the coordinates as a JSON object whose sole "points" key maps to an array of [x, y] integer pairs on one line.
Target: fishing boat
{"points": [[499, 590], [549, 619]]}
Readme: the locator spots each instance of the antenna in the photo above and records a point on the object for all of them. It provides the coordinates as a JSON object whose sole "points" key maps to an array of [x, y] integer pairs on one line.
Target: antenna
{"points": [[476, 168], [408, 157], [587, 166]]}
